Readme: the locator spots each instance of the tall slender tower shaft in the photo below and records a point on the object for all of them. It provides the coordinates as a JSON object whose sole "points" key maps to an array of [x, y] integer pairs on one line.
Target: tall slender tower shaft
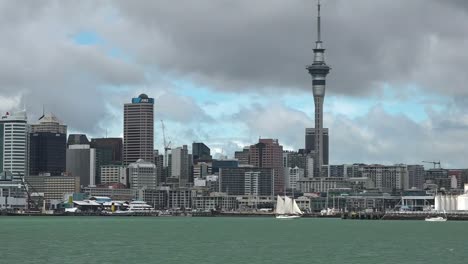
{"points": [[318, 70]]}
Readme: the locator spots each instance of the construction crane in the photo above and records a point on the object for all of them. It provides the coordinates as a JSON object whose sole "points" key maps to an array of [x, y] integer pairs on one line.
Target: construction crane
{"points": [[167, 145], [435, 163]]}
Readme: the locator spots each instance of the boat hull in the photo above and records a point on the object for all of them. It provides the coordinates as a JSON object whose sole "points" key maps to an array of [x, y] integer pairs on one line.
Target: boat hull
{"points": [[287, 216], [436, 219]]}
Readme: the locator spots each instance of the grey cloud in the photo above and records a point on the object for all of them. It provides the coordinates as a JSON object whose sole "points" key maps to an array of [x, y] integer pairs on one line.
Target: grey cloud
{"points": [[268, 43]]}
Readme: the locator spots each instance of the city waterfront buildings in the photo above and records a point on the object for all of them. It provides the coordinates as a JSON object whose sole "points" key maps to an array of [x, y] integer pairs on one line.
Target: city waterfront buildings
{"points": [[138, 129], [48, 146], [14, 144]]}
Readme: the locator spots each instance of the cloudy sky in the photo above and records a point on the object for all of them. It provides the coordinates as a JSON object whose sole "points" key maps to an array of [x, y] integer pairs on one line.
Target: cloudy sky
{"points": [[228, 72]]}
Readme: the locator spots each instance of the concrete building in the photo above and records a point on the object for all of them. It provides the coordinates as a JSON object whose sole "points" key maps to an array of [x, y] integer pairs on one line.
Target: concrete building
{"points": [[142, 175], [319, 70], [214, 202], [53, 187], [416, 176], [201, 170], [243, 156], [388, 178], [439, 177], [14, 142], [138, 129], [48, 146], [180, 166], [81, 162], [247, 181], [113, 174], [268, 153], [292, 176], [321, 184]]}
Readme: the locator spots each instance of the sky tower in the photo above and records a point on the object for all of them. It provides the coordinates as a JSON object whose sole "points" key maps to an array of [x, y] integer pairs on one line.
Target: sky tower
{"points": [[318, 70]]}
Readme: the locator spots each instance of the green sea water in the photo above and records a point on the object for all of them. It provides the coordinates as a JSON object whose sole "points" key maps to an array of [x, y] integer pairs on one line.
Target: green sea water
{"points": [[228, 240]]}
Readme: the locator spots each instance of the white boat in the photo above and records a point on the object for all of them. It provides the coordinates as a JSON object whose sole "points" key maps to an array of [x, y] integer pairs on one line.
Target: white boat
{"points": [[136, 207], [287, 208], [437, 218]]}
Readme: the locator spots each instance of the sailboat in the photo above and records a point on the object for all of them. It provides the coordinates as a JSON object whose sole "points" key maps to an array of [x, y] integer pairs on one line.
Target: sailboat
{"points": [[287, 208], [437, 218]]}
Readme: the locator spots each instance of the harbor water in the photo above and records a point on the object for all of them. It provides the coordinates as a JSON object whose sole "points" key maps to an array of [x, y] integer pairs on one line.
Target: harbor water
{"points": [[58, 240]]}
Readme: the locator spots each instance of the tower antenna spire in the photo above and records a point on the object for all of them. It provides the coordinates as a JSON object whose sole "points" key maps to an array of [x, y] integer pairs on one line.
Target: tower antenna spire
{"points": [[319, 39]]}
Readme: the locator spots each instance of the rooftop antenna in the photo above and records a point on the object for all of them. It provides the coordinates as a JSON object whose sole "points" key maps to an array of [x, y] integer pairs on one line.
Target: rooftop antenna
{"points": [[43, 112], [318, 23]]}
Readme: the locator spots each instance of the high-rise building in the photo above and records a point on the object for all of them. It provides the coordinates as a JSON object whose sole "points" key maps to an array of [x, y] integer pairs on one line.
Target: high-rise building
{"points": [[416, 176], [310, 143], [292, 176], [14, 144], [247, 181], [159, 162], [81, 162], [48, 146], [319, 70], [180, 166], [268, 153], [138, 129], [201, 152], [142, 175], [243, 156], [108, 152]]}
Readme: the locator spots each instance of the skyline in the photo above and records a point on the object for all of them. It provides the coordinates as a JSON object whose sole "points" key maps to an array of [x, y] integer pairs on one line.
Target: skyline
{"points": [[416, 113]]}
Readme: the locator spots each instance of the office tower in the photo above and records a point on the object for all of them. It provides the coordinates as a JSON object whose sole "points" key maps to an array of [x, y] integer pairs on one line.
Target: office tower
{"points": [[243, 156], [180, 166], [201, 152], [159, 162], [247, 181], [14, 144], [268, 153], [138, 129], [48, 147], [292, 176], [81, 162], [318, 70], [108, 152], [416, 176], [142, 175], [310, 143]]}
